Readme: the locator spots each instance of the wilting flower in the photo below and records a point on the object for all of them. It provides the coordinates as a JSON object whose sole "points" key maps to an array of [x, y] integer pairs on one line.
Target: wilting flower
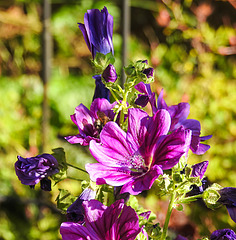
{"points": [[33, 170], [223, 234], [109, 74], [228, 198], [199, 169], [75, 213], [97, 31], [90, 122], [117, 221], [100, 89], [136, 158]]}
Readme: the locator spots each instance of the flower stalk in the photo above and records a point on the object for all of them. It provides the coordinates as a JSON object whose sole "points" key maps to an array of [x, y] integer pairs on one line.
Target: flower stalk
{"points": [[168, 214], [80, 169]]}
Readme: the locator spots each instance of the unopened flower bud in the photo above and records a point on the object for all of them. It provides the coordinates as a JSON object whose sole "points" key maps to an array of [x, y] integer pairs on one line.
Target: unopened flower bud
{"points": [[148, 72], [109, 74]]}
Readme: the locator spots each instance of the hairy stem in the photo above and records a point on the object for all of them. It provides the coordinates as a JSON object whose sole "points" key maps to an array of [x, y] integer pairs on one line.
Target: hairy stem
{"points": [[169, 211]]}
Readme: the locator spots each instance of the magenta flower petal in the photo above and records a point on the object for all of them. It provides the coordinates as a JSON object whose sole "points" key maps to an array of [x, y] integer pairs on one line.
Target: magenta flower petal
{"points": [[74, 231], [114, 149], [171, 148], [104, 223], [143, 182], [136, 127], [115, 176]]}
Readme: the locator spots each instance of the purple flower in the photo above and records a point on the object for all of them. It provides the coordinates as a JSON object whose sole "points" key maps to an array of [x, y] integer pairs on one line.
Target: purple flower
{"points": [[117, 221], [75, 213], [90, 122], [223, 234], [33, 170], [228, 198], [179, 114], [97, 31], [136, 158], [199, 169], [146, 96], [109, 74], [100, 90]]}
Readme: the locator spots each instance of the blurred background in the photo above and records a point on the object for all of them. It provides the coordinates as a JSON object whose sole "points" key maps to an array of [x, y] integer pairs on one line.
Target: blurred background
{"points": [[190, 43]]}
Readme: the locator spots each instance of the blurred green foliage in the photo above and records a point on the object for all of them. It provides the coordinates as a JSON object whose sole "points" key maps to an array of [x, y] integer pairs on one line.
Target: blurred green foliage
{"points": [[191, 45]]}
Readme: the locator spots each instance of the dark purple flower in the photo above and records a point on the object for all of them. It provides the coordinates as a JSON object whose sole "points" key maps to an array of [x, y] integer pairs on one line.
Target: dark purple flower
{"points": [[109, 74], [97, 30], [146, 96], [136, 158], [90, 122], [31, 171], [148, 72], [100, 90], [228, 198], [179, 114], [75, 213], [117, 221], [223, 234], [199, 169], [195, 190]]}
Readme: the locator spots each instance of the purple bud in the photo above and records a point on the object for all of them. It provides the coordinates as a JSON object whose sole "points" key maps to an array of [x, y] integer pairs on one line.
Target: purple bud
{"points": [[223, 234], [199, 169], [75, 213], [97, 31], [149, 72], [109, 74], [145, 61]]}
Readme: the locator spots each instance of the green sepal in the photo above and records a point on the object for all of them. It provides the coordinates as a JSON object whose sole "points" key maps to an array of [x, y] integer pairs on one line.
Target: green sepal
{"points": [[105, 194], [59, 154], [101, 61], [211, 196], [64, 199]]}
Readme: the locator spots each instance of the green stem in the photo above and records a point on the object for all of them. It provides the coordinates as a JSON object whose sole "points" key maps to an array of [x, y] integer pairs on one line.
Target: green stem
{"points": [[189, 199], [80, 180], [169, 211], [68, 164], [114, 96]]}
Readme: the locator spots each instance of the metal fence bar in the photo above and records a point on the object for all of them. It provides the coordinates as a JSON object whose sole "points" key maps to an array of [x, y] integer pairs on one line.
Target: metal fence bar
{"points": [[125, 35], [46, 68]]}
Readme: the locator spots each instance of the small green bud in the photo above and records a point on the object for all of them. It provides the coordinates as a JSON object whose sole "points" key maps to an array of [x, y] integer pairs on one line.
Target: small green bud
{"points": [[211, 196]]}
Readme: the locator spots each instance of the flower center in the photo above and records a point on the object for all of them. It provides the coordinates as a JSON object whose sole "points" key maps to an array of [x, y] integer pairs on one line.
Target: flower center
{"points": [[137, 162]]}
